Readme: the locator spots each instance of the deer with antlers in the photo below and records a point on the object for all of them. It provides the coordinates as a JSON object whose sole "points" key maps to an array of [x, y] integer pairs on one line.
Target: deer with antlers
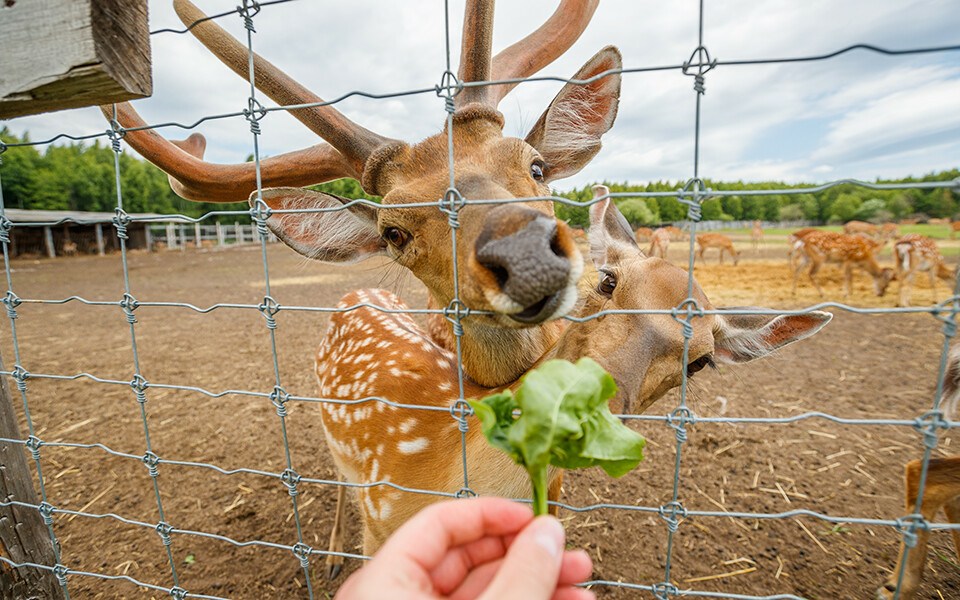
{"points": [[659, 243], [914, 253], [941, 490], [518, 266], [368, 352], [848, 251], [722, 242]]}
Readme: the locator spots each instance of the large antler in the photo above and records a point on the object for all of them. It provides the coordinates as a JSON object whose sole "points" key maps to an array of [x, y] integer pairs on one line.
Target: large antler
{"points": [[201, 181], [523, 59]]}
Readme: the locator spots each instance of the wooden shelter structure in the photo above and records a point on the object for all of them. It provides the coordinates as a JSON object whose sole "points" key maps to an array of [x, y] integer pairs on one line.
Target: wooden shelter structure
{"points": [[62, 232]]}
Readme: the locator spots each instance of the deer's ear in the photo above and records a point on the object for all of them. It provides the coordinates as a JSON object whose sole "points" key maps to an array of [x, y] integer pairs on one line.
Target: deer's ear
{"points": [[742, 338], [568, 132], [337, 236], [609, 229]]}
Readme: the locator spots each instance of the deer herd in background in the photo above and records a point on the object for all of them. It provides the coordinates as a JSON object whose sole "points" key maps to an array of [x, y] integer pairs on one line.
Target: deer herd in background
{"points": [[856, 248]]}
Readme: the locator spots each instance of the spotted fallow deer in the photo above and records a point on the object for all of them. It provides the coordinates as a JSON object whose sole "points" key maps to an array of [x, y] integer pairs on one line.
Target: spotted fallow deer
{"points": [[794, 251], [756, 236], [941, 490], [367, 352], [643, 234], [914, 252], [517, 265], [719, 241], [659, 243], [861, 227], [849, 251]]}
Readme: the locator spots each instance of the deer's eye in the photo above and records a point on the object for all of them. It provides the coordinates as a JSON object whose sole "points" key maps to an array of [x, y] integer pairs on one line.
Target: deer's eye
{"points": [[536, 170], [395, 237], [608, 282]]}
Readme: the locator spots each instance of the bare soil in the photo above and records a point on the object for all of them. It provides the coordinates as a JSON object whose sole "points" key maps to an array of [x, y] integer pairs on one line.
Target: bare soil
{"points": [[860, 366]]}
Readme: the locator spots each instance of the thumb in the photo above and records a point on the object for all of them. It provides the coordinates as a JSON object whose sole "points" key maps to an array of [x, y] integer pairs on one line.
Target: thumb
{"points": [[531, 567]]}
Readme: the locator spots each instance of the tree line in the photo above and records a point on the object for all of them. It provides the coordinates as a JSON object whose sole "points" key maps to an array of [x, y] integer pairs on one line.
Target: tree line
{"points": [[80, 177]]}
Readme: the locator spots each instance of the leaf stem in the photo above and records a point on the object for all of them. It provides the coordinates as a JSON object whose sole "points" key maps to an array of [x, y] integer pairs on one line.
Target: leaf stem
{"points": [[538, 476]]}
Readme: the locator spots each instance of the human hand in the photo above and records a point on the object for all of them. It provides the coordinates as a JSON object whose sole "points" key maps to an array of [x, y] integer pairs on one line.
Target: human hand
{"points": [[480, 548]]}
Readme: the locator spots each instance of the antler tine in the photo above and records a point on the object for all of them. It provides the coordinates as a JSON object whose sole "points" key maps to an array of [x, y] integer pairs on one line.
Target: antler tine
{"points": [[195, 179], [356, 143], [543, 46], [475, 51]]}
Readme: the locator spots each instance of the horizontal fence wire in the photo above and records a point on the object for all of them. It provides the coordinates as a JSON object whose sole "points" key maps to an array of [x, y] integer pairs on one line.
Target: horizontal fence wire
{"points": [[692, 193]]}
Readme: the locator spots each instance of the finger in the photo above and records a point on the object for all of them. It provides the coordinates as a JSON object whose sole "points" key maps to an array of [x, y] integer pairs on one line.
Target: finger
{"points": [[572, 593], [575, 567], [531, 568], [445, 525], [460, 561]]}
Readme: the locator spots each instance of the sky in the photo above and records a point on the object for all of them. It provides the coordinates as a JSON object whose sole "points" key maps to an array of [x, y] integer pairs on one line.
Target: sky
{"points": [[860, 115]]}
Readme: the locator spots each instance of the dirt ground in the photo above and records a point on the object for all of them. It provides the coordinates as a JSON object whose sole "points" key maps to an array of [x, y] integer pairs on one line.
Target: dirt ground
{"points": [[879, 366]]}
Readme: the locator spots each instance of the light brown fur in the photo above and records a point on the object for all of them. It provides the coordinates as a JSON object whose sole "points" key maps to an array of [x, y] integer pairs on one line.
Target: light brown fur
{"points": [[849, 251], [914, 253], [722, 242]]}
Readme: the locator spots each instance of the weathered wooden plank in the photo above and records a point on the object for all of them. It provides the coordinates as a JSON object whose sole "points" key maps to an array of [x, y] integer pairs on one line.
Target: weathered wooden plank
{"points": [[57, 54], [23, 536]]}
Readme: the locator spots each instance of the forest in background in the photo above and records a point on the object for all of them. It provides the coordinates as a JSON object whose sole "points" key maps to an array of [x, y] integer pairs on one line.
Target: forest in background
{"points": [[81, 177]]}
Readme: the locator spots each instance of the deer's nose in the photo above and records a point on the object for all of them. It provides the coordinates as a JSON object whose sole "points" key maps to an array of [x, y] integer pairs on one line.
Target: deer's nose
{"points": [[520, 247]]}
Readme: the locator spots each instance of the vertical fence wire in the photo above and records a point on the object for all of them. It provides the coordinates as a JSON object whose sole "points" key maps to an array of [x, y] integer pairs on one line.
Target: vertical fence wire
{"points": [[692, 194]]}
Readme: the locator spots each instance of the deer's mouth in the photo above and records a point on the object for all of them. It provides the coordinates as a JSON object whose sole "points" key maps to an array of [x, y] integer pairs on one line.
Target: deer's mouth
{"points": [[547, 308]]}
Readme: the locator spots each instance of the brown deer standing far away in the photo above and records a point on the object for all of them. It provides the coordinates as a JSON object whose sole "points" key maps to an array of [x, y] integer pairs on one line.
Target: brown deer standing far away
{"points": [[941, 490], [954, 228], [889, 231], [861, 227], [719, 241], [756, 236], [676, 234], [368, 352], [643, 234], [914, 252], [849, 251], [793, 250], [515, 261], [659, 243]]}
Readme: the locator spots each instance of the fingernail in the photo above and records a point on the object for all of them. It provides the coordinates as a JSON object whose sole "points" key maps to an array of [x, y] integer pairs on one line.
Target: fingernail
{"points": [[549, 534]]}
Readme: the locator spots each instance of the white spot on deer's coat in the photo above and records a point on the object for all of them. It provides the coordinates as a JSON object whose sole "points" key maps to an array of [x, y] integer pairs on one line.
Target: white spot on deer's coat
{"points": [[413, 446], [408, 425]]}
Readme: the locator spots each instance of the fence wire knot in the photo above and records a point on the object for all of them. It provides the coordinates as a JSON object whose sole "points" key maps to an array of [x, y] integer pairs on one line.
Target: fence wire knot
{"points": [[33, 444], [928, 424], [279, 398], [302, 551], [5, 226], [116, 133], [129, 304], [663, 591], [698, 192], [46, 511], [703, 65], [269, 308], [671, 512], [248, 11], [253, 113], [12, 301], [61, 572], [692, 310], [178, 593], [950, 306], [139, 385], [164, 529], [460, 410], [20, 375], [448, 88], [120, 220], [260, 212], [290, 478], [455, 312], [466, 493], [451, 204], [678, 419], [152, 462], [909, 525]]}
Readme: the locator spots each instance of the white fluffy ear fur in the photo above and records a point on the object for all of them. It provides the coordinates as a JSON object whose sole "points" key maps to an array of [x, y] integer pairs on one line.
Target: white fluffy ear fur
{"points": [[567, 134], [742, 338], [608, 228], [337, 236]]}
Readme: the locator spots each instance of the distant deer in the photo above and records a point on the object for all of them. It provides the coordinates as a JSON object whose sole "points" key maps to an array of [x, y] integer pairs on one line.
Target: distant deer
{"points": [[517, 265], [756, 236], [793, 250], [367, 352], [935, 221], [706, 241], [69, 248], [643, 235], [849, 251], [861, 227], [676, 234], [889, 231], [913, 253], [954, 228], [659, 243], [941, 490]]}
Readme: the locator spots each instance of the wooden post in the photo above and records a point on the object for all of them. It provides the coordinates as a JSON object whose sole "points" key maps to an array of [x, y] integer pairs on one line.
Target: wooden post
{"points": [[48, 238], [148, 236], [171, 237], [23, 536], [238, 232], [220, 236], [183, 238], [197, 234], [100, 239], [68, 53]]}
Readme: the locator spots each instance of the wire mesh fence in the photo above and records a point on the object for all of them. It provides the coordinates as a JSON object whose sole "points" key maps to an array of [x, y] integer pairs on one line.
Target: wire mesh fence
{"points": [[931, 424]]}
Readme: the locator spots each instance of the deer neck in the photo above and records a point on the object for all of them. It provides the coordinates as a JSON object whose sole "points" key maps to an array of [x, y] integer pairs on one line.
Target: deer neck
{"points": [[494, 356]]}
